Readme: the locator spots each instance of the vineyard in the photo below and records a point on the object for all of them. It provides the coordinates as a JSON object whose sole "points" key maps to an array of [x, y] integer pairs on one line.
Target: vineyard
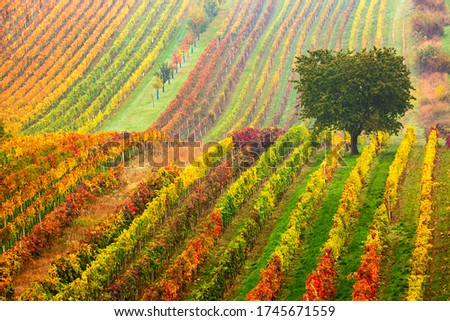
{"points": [[153, 150]]}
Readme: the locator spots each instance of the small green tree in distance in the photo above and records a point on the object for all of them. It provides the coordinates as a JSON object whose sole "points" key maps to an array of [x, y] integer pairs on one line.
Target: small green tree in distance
{"points": [[157, 84], [197, 20], [353, 91]]}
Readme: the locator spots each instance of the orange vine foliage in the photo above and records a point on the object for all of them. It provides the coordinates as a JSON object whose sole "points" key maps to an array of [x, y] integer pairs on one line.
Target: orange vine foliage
{"points": [[320, 285]]}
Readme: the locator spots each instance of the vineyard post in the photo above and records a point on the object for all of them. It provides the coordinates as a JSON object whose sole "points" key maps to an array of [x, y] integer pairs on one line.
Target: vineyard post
{"points": [[389, 207]]}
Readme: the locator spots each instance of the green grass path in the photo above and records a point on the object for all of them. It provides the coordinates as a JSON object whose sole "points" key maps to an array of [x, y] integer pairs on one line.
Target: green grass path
{"points": [[373, 195], [306, 259], [400, 242]]}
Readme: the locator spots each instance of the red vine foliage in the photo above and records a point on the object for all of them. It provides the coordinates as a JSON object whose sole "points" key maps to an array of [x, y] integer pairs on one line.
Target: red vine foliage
{"points": [[320, 285]]}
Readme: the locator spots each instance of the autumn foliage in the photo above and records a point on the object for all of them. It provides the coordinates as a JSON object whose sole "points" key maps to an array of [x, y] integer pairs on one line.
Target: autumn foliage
{"points": [[272, 277], [421, 253], [271, 280], [321, 284], [367, 277], [43, 233]]}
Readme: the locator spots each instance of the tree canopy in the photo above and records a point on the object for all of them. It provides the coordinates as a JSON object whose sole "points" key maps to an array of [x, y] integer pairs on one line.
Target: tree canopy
{"points": [[164, 73], [157, 84], [211, 8], [197, 20], [354, 91]]}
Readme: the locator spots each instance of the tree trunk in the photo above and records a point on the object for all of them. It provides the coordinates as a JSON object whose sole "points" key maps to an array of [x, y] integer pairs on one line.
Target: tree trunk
{"points": [[354, 143]]}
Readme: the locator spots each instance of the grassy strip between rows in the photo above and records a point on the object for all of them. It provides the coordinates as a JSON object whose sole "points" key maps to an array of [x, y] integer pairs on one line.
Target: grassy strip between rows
{"points": [[373, 198], [438, 286], [394, 266]]}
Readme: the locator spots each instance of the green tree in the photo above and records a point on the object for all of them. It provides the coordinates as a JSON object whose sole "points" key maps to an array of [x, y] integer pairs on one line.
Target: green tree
{"points": [[197, 20], [157, 84], [211, 8], [353, 91], [164, 73]]}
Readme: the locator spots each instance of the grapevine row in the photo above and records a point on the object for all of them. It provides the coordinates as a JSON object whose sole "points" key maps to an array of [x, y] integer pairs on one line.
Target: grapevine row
{"points": [[344, 22], [18, 21], [43, 165], [263, 110], [308, 25], [112, 12], [25, 46], [49, 54], [73, 70], [102, 105], [152, 261], [367, 276], [324, 17], [379, 36], [368, 23], [356, 24], [291, 117], [258, 92], [93, 157], [420, 256], [57, 30], [190, 88], [228, 205], [100, 237], [333, 24], [58, 65]]}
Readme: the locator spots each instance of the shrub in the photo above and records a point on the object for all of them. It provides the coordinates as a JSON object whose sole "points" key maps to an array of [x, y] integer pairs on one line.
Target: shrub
{"points": [[428, 23], [433, 59], [432, 4]]}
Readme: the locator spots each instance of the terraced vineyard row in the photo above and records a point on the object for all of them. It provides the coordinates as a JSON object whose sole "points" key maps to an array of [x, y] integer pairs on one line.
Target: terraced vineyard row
{"points": [[76, 80]]}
